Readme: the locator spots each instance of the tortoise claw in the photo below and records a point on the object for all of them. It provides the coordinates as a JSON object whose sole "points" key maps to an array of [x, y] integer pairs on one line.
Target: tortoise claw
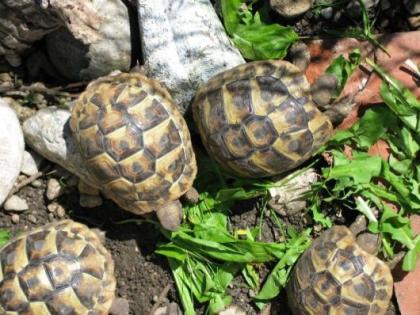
{"points": [[191, 196]]}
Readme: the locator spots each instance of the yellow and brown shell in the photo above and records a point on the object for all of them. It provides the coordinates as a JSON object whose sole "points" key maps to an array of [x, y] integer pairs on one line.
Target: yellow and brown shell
{"points": [[134, 141], [258, 120], [336, 276], [61, 268]]}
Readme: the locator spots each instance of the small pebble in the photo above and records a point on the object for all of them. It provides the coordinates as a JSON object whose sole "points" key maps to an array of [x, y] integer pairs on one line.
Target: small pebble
{"points": [[31, 163], [15, 203], [51, 216], [32, 218], [60, 211], [414, 22], [36, 183], [88, 201], [52, 207], [54, 189], [327, 13], [15, 218], [120, 306]]}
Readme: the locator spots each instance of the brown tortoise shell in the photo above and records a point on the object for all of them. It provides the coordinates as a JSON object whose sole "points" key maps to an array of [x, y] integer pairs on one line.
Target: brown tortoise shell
{"points": [[134, 140], [257, 119], [61, 268], [336, 277]]}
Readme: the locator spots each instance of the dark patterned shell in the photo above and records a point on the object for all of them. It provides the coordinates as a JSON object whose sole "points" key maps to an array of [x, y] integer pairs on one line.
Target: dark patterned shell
{"points": [[135, 141], [60, 268], [335, 276], [258, 120]]}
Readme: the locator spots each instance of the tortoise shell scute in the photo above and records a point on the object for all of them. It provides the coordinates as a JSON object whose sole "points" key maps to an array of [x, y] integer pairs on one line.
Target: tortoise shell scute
{"points": [[336, 275], [61, 268], [134, 141], [268, 122]]}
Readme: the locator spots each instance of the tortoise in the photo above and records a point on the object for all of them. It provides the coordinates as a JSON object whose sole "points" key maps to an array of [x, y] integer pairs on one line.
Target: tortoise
{"points": [[340, 274], [60, 268], [258, 120], [136, 144]]}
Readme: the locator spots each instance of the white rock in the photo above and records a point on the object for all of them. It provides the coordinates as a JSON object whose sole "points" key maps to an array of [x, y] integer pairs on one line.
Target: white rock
{"points": [[31, 163], [15, 203], [184, 44], [48, 133], [288, 194], [232, 310], [11, 149], [15, 218], [54, 189]]}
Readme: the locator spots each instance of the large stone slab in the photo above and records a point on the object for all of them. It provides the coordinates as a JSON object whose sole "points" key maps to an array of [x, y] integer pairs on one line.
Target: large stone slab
{"points": [[184, 44]]}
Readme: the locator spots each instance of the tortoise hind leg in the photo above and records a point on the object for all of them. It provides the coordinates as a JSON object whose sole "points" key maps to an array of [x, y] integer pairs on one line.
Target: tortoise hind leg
{"points": [[170, 215]]}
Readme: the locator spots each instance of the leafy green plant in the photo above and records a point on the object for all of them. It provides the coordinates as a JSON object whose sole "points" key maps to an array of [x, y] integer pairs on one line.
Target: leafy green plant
{"points": [[4, 237], [206, 253], [370, 184], [255, 36], [342, 69]]}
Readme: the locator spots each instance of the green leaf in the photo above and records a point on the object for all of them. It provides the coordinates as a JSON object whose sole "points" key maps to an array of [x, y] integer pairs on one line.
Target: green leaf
{"points": [[364, 208], [342, 69], [362, 168], [399, 99], [251, 276], [181, 281], [4, 237], [277, 279], [319, 216], [398, 227], [261, 41], [255, 39], [230, 13]]}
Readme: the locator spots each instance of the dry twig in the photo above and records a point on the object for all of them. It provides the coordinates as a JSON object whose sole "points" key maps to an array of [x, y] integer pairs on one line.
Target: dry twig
{"points": [[24, 183], [160, 299]]}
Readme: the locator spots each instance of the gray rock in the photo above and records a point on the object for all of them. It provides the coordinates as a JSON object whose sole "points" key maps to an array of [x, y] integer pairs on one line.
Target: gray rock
{"points": [[412, 6], [54, 189], [31, 163], [119, 306], [22, 23], [48, 133], [184, 44], [287, 197], [353, 8], [95, 45], [32, 218], [15, 203], [327, 13], [101, 27], [11, 149], [291, 8]]}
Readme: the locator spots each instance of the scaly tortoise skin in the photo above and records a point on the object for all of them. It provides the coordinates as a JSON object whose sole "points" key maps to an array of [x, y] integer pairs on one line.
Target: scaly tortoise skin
{"points": [[61, 268], [336, 277], [258, 120], [134, 140]]}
